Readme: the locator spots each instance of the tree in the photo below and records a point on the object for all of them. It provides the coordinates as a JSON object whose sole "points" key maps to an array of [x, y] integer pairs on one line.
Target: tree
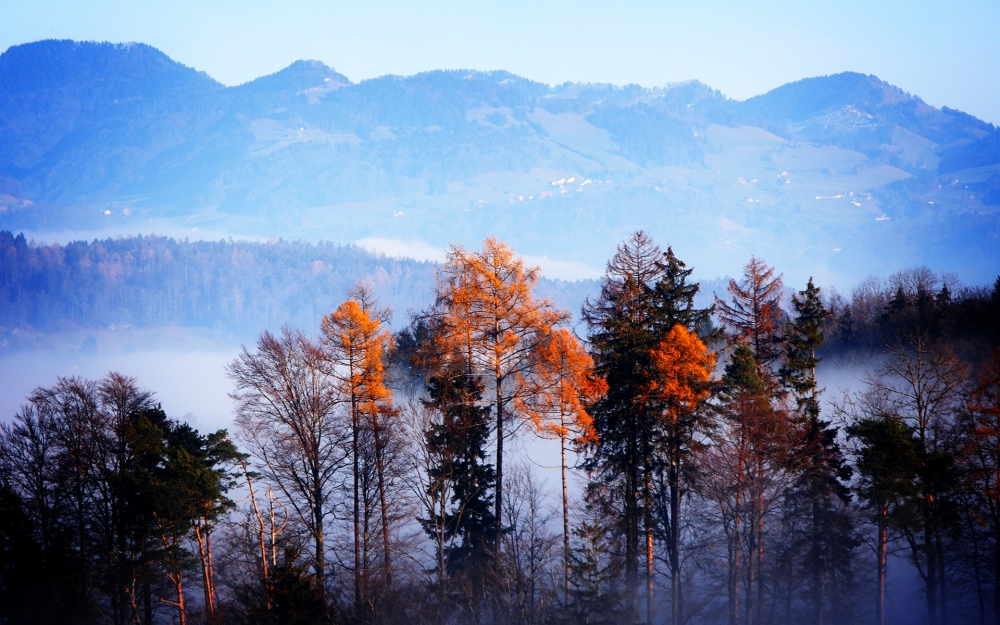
{"points": [[459, 482], [358, 340], [622, 322], [564, 386], [887, 465], [285, 403], [682, 369], [980, 454], [821, 488], [488, 319], [921, 381], [755, 315], [746, 468]]}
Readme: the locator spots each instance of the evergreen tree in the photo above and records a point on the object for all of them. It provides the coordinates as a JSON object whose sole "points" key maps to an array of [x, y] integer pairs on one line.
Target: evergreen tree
{"points": [[459, 440], [887, 463], [595, 596], [623, 323]]}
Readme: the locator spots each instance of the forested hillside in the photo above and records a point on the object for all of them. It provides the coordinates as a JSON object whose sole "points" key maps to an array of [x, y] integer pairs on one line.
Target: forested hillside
{"points": [[239, 286]]}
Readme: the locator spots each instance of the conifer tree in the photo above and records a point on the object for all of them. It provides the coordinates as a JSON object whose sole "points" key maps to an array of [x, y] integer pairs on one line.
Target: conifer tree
{"points": [[487, 317], [887, 464], [623, 323], [458, 443], [821, 490], [754, 314], [564, 388]]}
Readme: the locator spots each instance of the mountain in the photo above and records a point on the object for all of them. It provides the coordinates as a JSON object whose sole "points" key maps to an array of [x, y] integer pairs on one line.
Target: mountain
{"points": [[838, 176]]}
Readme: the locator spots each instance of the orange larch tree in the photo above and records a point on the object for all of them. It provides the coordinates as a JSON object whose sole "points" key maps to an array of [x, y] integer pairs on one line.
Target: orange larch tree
{"points": [[358, 338], [680, 386], [563, 387], [488, 320]]}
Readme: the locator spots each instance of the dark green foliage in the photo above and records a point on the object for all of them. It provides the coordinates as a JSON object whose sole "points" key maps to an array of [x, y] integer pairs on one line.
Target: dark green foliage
{"points": [[803, 339], [102, 490], [673, 298], [888, 462], [966, 319], [293, 595], [595, 596], [459, 443], [741, 372]]}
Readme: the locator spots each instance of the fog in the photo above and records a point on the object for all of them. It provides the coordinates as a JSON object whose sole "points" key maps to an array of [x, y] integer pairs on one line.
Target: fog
{"points": [[186, 371], [189, 380]]}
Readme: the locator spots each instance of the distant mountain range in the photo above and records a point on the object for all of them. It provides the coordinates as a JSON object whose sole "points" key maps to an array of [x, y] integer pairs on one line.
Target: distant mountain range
{"points": [[838, 176]]}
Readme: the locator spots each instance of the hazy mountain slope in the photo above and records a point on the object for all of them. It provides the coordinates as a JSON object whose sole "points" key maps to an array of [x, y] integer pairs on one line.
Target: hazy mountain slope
{"points": [[830, 176]]}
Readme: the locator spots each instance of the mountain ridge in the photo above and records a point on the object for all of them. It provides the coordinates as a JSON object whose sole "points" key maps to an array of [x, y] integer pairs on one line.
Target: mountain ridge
{"points": [[447, 155]]}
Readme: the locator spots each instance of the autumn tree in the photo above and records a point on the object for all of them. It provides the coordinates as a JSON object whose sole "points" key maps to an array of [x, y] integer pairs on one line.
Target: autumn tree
{"points": [[487, 319], [980, 457], [285, 414], [754, 314], [682, 369], [563, 388], [358, 339]]}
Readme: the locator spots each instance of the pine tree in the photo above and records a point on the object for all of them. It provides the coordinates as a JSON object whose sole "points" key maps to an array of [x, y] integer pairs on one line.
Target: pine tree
{"points": [[754, 314], [623, 332], [821, 489], [887, 465], [459, 443]]}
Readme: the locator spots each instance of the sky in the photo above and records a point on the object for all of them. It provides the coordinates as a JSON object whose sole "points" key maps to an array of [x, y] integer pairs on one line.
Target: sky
{"points": [[947, 53]]}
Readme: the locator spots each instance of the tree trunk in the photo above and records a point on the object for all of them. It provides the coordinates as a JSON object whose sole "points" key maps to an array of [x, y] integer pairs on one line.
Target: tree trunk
{"points": [[263, 544], [929, 550], [675, 538], [206, 572], [565, 510], [498, 503], [358, 598], [942, 578], [760, 557], [817, 565], [734, 575], [883, 552], [382, 502], [632, 523], [996, 575], [649, 543]]}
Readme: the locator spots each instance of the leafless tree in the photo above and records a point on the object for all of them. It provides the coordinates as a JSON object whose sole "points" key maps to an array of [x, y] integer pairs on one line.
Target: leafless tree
{"points": [[286, 414]]}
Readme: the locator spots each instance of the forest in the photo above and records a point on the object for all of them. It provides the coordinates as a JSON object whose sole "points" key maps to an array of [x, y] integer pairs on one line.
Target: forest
{"points": [[234, 288], [376, 476]]}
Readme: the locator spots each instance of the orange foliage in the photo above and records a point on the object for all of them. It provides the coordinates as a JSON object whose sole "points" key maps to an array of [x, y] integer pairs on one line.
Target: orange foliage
{"points": [[563, 386], [683, 368], [358, 342], [490, 316]]}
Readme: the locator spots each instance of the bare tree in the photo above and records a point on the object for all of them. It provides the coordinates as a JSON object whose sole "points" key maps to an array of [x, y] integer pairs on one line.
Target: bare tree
{"points": [[285, 412]]}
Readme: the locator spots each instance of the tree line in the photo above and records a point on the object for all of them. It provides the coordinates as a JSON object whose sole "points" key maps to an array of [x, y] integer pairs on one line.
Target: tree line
{"points": [[370, 476]]}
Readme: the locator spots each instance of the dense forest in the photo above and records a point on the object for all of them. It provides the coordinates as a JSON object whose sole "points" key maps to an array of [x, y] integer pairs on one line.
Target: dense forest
{"points": [[372, 476], [238, 287]]}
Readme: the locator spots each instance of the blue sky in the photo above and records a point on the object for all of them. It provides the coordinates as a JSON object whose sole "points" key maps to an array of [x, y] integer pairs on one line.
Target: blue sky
{"points": [[947, 53]]}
